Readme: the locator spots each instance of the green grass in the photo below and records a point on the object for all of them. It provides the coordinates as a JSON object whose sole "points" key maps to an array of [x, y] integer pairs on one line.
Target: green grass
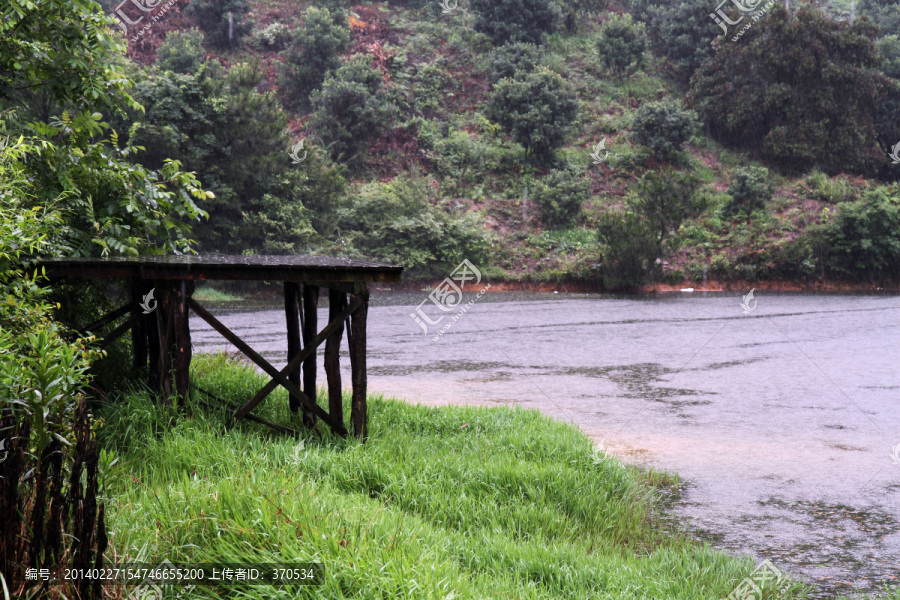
{"points": [[207, 293], [443, 503]]}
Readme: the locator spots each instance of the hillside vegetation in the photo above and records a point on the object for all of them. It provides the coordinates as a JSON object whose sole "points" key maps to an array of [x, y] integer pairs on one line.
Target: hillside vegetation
{"points": [[613, 143]]}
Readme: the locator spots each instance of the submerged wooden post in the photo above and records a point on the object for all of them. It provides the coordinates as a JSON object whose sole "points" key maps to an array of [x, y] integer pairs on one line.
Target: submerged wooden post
{"points": [[310, 329], [337, 302], [182, 349], [358, 366], [292, 318]]}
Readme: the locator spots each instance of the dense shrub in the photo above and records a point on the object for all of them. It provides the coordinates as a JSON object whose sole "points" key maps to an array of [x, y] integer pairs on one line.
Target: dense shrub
{"points": [[516, 20], [663, 127], [396, 222], [181, 52], [272, 37], [862, 241], [351, 109], [884, 13], [835, 190], [665, 200], [560, 197], [313, 53], [760, 93], [621, 44], [889, 50], [630, 250], [681, 31], [750, 189], [513, 57], [225, 22], [536, 109]]}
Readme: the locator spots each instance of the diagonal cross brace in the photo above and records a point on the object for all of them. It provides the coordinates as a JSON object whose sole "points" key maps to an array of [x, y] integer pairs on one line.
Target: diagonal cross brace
{"points": [[278, 377]]}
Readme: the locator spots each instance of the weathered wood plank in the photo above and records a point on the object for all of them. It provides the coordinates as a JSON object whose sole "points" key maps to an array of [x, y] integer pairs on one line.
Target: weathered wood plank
{"points": [[294, 347], [108, 318], [358, 406], [310, 326], [136, 293], [182, 334]]}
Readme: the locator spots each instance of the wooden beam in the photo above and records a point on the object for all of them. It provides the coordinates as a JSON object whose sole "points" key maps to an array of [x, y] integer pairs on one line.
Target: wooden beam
{"points": [[117, 332], [358, 406], [267, 389], [310, 326], [182, 348], [165, 318], [294, 346], [136, 291], [337, 302], [231, 408], [109, 318], [278, 377]]}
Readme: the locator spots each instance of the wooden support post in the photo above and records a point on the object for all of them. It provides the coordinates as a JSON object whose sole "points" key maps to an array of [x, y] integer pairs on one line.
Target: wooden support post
{"points": [[165, 316], [310, 328], [153, 342], [358, 366], [182, 334], [337, 302], [136, 288], [292, 319]]}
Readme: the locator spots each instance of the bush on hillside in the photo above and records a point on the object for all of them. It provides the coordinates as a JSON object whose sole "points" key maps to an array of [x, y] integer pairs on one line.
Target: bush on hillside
{"points": [[273, 37], [750, 189], [760, 93], [665, 200], [621, 44], [312, 55], [560, 197], [181, 52], [511, 58], [536, 109], [630, 250], [663, 127], [351, 109], [516, 20]]}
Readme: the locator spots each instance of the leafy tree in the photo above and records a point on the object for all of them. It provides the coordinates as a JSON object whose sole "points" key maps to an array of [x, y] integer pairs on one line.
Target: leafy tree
{"points": [[663, 127], [681, 31], [516, 20], [560, 196], [536, 109], [750, 189], [351, 109], [273, 37], [884, 13], [621, 44], [513, 57], [791, 69], [889, 50], [630, 250], [312, 54], [396, 222], [224, 21], [863, 239], [181, 52], [665, 200]]}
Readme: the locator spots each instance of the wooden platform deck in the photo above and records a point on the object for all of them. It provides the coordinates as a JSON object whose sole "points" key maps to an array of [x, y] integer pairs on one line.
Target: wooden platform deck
{"points": [[160, 290]]}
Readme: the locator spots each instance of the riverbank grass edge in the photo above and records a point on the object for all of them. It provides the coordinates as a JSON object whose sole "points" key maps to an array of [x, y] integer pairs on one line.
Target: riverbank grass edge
{"points": [[446, 502]]}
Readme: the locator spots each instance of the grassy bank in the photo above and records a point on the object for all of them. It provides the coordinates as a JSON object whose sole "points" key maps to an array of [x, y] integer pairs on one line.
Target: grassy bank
{"points": [[440, 503]]}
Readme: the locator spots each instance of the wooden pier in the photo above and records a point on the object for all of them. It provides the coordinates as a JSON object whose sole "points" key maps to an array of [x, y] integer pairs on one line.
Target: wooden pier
{"points": [[160, 289]]}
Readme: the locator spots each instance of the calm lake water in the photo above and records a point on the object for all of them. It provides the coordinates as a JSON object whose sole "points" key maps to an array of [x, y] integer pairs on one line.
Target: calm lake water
{"points": [[782, 421]]}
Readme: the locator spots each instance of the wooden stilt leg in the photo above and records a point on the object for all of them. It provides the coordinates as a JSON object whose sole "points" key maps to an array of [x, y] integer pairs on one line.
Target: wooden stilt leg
{"points": [[139, 330], [358, 367], [182, 332], [310, 329], [292, 318], [154, 344], [337, 302], [165, 320]]}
